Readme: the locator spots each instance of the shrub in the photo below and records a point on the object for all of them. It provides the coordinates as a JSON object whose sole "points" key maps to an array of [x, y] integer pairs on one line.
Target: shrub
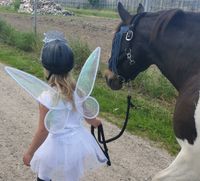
{"points": [[25, 41], [22, 40], [16, 4], [81, 52], [5, 32], [153, 83]]}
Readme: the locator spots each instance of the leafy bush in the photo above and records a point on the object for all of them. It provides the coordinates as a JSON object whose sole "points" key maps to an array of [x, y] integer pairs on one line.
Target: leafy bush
{"points": [[153, 83], [5, 32], [81, 52], [16, 4], [23, 40]]}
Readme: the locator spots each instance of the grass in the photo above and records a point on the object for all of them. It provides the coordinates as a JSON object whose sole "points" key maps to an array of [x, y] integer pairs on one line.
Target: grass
{"points": [[151, 118], [151, 82], [94, 12], [21, 60], [23, 40], [7, 9]]}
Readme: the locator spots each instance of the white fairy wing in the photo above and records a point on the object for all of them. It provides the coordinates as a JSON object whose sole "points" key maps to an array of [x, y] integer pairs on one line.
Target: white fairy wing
{"points": [[55, 120], [36, 88], [89, 108], [85, 84], [87, 76]]}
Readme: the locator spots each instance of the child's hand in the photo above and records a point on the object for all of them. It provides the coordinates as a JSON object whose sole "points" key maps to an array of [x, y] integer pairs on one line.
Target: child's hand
{"points": [[27, 159], [94, 122]]}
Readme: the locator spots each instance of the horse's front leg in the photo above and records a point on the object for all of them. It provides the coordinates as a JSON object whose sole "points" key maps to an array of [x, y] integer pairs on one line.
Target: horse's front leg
{"points": [[186, 166]]}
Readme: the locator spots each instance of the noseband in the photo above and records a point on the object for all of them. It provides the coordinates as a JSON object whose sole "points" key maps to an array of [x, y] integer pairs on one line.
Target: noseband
{"points": [[126, 33]]}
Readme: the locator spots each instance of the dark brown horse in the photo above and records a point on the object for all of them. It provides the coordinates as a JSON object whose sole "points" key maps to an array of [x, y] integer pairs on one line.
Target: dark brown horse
{"points": [[170, 40]]}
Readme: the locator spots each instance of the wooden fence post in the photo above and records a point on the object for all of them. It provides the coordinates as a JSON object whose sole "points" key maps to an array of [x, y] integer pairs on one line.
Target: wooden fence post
{"points": [[146, 5], [35, 17]]}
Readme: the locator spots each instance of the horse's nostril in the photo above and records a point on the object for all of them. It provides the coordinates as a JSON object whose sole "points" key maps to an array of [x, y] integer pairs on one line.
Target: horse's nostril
{"points": [[112, 80], [108, 81], [114, 84]]}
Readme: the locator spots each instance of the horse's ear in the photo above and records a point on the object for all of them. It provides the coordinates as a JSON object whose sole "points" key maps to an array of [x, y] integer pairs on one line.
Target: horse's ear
{"points": [[140, 8], [124, 14]]}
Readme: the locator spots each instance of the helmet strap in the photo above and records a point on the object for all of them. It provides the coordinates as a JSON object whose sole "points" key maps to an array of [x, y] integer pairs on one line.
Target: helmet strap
{"points": [[49, 76]]}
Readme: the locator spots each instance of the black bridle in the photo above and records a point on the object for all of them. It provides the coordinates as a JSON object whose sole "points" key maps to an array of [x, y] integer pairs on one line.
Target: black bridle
{"points": [[127, 53]]}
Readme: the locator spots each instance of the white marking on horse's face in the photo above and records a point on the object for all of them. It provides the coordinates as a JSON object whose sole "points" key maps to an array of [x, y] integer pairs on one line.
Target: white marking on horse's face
{"points": [[186, 166]]}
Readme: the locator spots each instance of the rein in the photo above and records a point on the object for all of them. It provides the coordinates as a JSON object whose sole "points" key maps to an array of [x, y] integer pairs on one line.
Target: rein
{"points": [[100, 131]]}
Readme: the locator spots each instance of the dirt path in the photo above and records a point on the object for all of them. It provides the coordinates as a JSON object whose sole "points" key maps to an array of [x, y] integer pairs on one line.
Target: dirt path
{"points": [[133, 159]]}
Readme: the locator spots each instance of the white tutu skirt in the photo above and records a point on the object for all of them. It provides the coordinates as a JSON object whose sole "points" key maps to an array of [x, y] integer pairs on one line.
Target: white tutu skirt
{"points": [[65, 157]]}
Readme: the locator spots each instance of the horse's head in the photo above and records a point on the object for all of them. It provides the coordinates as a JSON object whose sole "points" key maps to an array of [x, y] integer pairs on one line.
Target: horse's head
{"points": [[127, 57]]}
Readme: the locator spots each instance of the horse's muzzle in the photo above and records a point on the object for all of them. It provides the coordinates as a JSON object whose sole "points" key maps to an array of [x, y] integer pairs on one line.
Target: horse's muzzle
{"points": [[112, 80]]}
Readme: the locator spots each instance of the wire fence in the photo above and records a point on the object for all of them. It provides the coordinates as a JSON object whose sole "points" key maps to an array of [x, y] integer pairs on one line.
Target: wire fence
{"points": [[187, 5], [131, 5], [86, 4]]}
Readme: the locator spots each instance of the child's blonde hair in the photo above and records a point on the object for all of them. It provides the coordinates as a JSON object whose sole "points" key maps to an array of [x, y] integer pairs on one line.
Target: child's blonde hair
{"points": [[65, 85]]}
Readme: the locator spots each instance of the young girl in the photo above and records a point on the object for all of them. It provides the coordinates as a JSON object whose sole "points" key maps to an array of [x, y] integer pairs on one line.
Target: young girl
{"points": [[67, 155]]}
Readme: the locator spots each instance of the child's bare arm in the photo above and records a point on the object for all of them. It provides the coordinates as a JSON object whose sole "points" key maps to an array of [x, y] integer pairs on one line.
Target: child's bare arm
{"points": [[94, 122], [39, 137]]}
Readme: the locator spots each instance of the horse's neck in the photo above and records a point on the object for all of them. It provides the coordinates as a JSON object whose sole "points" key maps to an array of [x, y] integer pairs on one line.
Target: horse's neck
{"points": [[176, 51], [170, 67]]}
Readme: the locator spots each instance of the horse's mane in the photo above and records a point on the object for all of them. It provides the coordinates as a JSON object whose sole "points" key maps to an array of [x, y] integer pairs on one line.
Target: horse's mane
{"points": [[163, 20]]}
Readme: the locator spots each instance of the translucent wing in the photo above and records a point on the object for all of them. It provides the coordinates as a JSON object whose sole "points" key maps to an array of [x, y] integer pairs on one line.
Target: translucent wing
{"points": [[36, 88], [55, 120], [88, 74], [85, 83], [89, 108]]}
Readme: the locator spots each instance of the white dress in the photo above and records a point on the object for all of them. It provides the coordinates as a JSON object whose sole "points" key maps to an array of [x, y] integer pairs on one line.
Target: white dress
{"points": [[66, 156]]}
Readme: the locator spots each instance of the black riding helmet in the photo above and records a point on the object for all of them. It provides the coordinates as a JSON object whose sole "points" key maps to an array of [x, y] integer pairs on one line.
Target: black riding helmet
{"points": [[57, 57]]}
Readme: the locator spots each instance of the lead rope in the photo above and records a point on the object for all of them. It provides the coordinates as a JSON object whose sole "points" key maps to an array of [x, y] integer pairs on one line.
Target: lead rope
{"points": [[101, 136]]}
